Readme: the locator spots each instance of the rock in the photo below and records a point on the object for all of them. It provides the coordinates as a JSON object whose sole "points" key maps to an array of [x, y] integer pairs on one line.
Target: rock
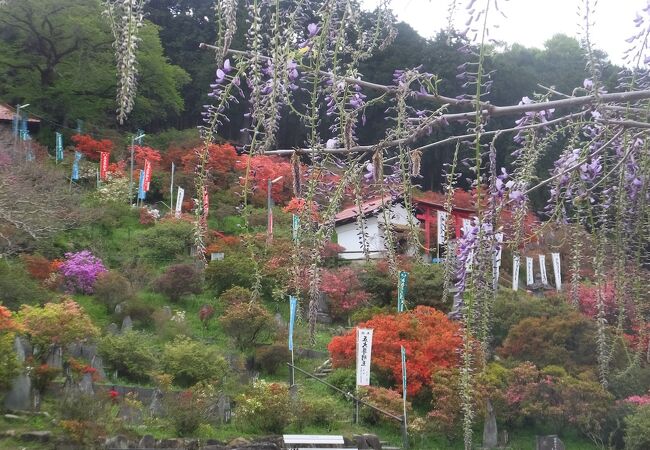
{"points": [[55, 358], [551, 442], [112, 328], [490, 433], [19, 396], [361, 443], [36, 436], [191, 444], [117, 442], [127, 324], [171, 443], [372, 441], [14, 418], [98, 363], [280, 321], [7, 433], [86, 384], [119, 308], [238, 442], [147, 441], [156, 406], [167, 311]]}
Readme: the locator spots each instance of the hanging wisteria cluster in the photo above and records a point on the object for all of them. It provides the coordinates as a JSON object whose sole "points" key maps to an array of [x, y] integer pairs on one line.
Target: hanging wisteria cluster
{"points": [[126, 17], [302, 59]]}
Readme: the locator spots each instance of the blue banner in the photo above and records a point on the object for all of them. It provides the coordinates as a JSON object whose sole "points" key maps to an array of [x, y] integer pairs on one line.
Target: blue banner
{"points": [[293, 306], [295, 225], [141, 193], [75, 166], [59, 147], [402, 286], [24, 131]]}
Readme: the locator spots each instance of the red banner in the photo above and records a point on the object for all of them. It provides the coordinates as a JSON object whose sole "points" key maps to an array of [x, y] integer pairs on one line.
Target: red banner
{"points": [[147, 174], [103, 164], [206, 204]]}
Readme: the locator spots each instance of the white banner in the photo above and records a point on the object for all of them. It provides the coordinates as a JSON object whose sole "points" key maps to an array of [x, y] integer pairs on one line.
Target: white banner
{"points": [[364, 351], [442, 227], [515, 272], [542, 268], [496, 262], [557, 270], [530, 278], [467, 224], [179, 201]]}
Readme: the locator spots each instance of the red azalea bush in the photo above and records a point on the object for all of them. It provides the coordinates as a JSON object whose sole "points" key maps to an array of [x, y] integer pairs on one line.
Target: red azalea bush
{"points": [[588, 301], [90, 147], [431, 341], [264, 168], [39, 267], [344, 291], [142, 153]]}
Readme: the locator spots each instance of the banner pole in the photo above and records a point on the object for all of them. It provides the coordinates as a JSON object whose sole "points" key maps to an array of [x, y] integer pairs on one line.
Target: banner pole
{"points": [[405, 436]]}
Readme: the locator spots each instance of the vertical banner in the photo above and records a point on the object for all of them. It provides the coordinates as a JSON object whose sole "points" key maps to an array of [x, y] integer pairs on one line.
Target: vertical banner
{"points": [[542, 268], [530, 278], [103, 164], [515, 272], [179, 201], [75, 166], [496, 267], [295, 226], [293, 306], [364, 352], [141, 191], [402, 286], [147, 175], [467, 224], [557, 270], [24, 131], [59, 147], [442, 227]]}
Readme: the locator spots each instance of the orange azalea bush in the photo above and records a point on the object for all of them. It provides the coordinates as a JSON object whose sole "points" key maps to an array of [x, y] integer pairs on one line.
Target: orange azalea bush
{"points": [[431, 341]]}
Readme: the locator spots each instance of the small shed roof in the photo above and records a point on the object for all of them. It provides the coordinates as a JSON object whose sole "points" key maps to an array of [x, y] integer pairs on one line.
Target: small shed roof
{"points": [[7, 113]]}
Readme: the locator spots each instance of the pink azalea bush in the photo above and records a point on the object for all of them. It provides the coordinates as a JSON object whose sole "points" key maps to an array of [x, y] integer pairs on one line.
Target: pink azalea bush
{"points": [[639, 400], [344, 291], [80, 271]]}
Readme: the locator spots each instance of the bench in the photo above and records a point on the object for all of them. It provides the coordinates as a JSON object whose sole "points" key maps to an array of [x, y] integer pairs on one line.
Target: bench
{"points": [[298, 441]]}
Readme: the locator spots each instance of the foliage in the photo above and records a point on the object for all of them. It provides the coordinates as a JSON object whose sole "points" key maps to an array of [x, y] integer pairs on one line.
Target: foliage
{"points": [[56, 324], [319, 411], [9, 365], [39, 267], [90, 147], [637, 429], [142, 153], [17, 287], [553, 400], [271, 357], [385, 399], [512, 307], [80, 271], [42, 375], [431, 341], [235, 295], [114, 189], [190, 362], [206, 312], [178, 281], [344, 379], [588, 303], [425, 286], [561, 340], [132, 354], [112, 288], [264, 168], [248, 324], [222, 161], [168, 240], [139, 310], [265, 407], [344, 291], [186, 411], [233, 270], [7, 324], [367, 313]]}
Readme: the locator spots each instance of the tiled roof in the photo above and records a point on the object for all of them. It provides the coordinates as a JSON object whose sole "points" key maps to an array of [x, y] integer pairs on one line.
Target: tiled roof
{"points": [[7, 113], [366, 208]]}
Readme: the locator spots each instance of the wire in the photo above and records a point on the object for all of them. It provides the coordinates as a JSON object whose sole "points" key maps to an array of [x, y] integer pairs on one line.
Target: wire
{"points": [[59, 125]]}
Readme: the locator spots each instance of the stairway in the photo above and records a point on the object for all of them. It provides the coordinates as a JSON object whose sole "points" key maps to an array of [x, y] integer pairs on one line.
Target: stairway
{"points": [[324, 369]]}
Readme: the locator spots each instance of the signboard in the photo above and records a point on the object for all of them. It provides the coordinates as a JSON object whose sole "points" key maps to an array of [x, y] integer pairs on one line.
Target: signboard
{"points": [[364, 352], [515, 272], [179, 201], [542, 269], [530, 279], [557, 270]]}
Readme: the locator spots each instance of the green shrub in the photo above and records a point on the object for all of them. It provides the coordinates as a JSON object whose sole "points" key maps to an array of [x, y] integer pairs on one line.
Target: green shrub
{"points": [[234, 270], [248, 324], [317, 411], [190, 362], [140, 312], [378, 284], [111, 288], [271, 357], [179, 280], [18, 288], [344, 379], [235, 295], [365, 314], [637, 429], [190, 409], [385, 399], [132, 354], [510, 308], [265, 407], [167, 241], [425, 286]]}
